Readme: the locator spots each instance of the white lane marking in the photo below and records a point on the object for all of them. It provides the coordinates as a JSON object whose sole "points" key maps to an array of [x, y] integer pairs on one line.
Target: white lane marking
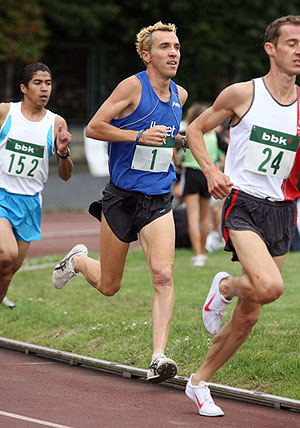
{"points": [[36, 267], [35, 421], [83, 232], [27, 364]]}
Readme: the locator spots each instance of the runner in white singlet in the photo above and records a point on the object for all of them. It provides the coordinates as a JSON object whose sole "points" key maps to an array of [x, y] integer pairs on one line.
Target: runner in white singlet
{"points": [[29, 135], [261, 182]]}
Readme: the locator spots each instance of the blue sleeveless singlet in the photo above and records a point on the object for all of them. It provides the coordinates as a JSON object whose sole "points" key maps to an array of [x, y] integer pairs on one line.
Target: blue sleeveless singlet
{"points": [[141, 168]]}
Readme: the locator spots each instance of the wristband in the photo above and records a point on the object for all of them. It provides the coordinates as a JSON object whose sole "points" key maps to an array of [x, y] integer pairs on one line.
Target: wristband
{"points": [[138, 135], [63, 155]]}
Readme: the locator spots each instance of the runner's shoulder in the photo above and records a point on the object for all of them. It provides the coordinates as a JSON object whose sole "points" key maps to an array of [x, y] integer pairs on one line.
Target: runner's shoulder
{"points": [[183, 94], [239, 92], [4, 109], [131, 83]]}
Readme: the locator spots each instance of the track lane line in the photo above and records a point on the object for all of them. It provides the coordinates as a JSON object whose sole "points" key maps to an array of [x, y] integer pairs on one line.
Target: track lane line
{"points": [[35, 421]]}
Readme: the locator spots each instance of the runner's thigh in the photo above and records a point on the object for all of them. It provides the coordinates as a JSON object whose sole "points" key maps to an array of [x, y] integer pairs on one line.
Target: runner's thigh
{"points": [[8, 243], [113, 253], [253, 255], [158, 242]]}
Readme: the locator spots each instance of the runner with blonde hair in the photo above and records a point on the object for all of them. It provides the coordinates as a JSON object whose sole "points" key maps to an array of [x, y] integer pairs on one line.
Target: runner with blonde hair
{"points": [[141, 120], [144, 38]]}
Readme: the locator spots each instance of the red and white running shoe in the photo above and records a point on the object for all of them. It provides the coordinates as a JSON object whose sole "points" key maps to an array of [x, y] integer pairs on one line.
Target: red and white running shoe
{"points": [[200, 394], [215, 304]]}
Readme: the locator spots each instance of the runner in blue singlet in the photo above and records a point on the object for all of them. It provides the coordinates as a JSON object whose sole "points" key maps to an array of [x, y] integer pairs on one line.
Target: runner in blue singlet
{"points": [[140, 120]]}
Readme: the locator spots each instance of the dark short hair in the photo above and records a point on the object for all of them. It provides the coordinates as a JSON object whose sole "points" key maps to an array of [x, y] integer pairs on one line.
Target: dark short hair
{"points": [[30, 69], [272, 32]]}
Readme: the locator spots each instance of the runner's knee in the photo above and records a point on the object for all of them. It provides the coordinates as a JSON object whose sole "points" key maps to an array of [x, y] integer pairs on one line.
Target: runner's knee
{"points": [[270, 291], [7, 260], [109, 288], [162, 278]]}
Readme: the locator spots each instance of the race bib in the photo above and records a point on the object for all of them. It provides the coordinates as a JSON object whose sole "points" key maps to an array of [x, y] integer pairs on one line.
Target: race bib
{"points": [[153, 158], [22, 159], [271, 152]]}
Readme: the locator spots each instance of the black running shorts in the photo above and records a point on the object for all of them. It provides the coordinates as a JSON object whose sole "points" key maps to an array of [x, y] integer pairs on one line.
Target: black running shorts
{"points": [[128, 212], [194, 181], [274, 222]]}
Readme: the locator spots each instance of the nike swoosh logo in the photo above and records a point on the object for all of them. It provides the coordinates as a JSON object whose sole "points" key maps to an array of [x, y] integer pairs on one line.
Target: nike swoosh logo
{"points": [[200, 404], [206, 307]]}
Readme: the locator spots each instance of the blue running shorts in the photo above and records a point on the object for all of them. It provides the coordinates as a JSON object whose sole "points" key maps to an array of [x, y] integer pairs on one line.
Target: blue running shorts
{"points": [[24, 214]]}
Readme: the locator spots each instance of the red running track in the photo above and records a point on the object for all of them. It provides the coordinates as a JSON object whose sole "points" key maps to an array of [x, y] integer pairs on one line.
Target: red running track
{"points": [[51, 393]]}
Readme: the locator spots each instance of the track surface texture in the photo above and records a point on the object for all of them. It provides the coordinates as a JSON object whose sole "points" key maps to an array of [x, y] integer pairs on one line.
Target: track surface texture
{"points": [[51, 393]]}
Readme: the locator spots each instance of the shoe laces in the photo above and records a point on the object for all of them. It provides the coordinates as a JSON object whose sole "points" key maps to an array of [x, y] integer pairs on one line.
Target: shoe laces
{"points": [[159, 356], [63, 265], [67, 267], [221, 313], [156, 360], [207, 395]]}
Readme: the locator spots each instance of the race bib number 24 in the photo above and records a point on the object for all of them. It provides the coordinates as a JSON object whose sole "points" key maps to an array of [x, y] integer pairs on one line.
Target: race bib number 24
{"points": [[271, 152]]}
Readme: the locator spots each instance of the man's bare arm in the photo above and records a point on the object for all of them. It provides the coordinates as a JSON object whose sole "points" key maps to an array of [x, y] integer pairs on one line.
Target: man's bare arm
{"points": [[232, 103], [123, 101], [62, 142]]}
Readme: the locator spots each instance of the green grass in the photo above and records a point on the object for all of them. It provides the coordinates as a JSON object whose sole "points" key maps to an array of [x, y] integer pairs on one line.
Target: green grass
{"points": [[79, 319]]}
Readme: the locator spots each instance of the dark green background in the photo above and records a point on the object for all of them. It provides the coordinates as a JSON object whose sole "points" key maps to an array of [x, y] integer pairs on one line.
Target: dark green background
{"points": [[89, 45]]}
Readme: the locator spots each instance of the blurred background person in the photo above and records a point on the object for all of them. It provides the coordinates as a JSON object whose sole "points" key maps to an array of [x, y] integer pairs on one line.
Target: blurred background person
{"points": [[215, 241], [194, 192]]}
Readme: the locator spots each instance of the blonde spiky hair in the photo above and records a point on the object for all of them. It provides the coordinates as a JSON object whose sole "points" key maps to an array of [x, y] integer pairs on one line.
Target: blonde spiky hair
{"points": [[144, 37]]}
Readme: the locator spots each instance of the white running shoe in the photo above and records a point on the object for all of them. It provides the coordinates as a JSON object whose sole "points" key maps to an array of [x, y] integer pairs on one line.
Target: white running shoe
{"points": [[161, 368], [64, 271], [199, 260], [214, 242], [8, 303], [215, 305], [200, 394]]}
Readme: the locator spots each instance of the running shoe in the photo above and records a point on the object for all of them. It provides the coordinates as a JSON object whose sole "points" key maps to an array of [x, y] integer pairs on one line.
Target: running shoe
{"points": [[214, 242], [199, 260], [64, 271], [215, 304], [161, 368], [200, 394], [8, 303]]}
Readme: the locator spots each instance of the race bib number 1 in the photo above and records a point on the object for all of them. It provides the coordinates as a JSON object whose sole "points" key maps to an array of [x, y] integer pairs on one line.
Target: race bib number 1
{"points": [[22, 159], [270, 152], [153, 158]]}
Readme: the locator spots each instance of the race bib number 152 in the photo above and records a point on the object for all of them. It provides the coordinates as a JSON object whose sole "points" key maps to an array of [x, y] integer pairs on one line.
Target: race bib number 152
{"points": [[22, 159]]}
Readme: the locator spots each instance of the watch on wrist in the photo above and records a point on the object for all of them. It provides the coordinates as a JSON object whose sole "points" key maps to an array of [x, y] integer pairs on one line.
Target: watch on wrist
{"points": [[63, 155]]}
